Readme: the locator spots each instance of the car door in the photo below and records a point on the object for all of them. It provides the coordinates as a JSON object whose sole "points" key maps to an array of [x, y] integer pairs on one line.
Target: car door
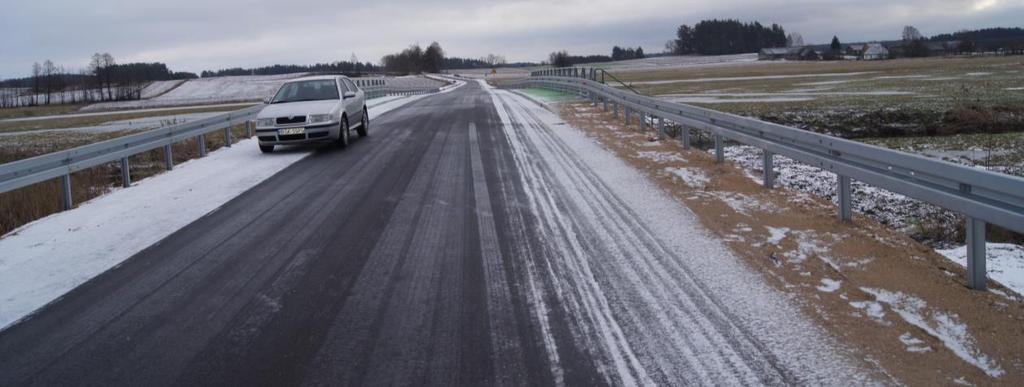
{"points": [[346, 103], [356, 103]]}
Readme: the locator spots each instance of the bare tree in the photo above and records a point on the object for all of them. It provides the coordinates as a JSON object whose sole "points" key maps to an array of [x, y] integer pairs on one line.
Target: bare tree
{"points": [[36, 71], [48, 73], [910, 34]]}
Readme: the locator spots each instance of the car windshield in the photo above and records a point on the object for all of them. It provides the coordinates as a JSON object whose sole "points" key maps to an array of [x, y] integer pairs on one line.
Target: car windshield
{"points": [[314, 90]]}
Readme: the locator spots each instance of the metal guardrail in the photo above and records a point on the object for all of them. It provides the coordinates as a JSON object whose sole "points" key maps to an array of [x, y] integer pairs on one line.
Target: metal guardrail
{"points": [[61, 164], [982, 196]]}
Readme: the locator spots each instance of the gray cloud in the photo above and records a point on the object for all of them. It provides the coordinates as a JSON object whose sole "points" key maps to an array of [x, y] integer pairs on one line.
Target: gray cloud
{"points": [[194, 35]]}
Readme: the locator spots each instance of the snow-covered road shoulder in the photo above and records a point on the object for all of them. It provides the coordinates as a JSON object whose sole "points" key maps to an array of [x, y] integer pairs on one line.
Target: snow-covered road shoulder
{"points": [[45, 259]]}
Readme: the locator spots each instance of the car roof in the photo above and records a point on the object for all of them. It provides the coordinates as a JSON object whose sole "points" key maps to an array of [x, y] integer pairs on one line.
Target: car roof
{"points": [[316, 78]]}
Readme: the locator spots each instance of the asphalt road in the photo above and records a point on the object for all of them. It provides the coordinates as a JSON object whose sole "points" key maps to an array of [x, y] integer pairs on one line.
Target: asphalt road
{"points": [[443, 249]]}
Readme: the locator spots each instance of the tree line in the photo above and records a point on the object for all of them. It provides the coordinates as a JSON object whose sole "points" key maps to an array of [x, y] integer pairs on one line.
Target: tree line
{"points": [[352, 68], [619, 53], [722, 37], [102, 80]]}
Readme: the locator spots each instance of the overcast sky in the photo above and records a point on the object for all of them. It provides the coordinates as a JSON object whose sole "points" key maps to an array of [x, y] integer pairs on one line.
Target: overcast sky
{"points": [[196, 35]]}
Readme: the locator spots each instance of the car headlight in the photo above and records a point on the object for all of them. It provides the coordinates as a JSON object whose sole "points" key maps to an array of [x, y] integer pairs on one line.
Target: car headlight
{"points": [[318, 118], [264, 122]]}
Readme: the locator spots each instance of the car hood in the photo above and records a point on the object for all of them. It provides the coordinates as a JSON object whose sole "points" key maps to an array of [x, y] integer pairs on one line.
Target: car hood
{"points": [[290, 109]]}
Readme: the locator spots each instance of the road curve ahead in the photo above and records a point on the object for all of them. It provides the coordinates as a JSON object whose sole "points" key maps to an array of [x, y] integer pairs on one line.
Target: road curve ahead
{"points": [[471, 239]]}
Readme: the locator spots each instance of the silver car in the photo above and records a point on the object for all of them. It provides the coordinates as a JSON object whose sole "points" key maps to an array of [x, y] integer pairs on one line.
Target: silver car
{"points": [[312, 109]]}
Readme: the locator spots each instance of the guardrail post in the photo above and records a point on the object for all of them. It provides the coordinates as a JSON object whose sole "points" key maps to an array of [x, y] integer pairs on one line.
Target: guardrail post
{"points": [[719, 150], [684, 136], [628, 113], [126, 173], [976, 272], [845, 199], [65, 192], [769, 168], [201, 142], [227, 136], [615, 109], [168, 158], [604, 102], [661, 128], [248, 129]]}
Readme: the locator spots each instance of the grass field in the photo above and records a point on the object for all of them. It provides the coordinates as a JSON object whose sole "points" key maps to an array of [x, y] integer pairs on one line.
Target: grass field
{"points": [[856, 98], [74, 122]]}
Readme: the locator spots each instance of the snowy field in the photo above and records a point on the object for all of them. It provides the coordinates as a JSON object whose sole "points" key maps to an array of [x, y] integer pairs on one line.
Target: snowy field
{"points": [[674, 62], [158, 88], [207, 90], [44, 259], [229, 89]]}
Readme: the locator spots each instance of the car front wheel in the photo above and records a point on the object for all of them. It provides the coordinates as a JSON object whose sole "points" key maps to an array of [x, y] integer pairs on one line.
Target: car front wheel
{"points": [[343, 136], [364, 124]]}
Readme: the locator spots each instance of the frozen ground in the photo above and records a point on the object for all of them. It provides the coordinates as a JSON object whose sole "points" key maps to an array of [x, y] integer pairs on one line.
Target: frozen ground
{"points": [[44, 259], [1005, 262]]}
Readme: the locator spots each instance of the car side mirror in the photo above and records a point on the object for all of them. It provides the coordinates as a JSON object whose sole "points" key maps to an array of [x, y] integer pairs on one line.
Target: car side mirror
{"points": [[266, 100], [349, 94]]}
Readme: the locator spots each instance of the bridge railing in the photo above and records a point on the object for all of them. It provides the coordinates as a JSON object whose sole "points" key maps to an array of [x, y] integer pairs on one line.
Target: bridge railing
{"points": [[61, 164], [981, 196]]}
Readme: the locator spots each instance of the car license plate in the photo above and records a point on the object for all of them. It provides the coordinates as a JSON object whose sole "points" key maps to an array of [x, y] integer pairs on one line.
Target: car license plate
{"points": [[291, 131]]}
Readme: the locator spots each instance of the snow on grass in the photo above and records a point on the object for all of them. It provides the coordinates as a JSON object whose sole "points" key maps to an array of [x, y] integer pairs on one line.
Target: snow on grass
{"points": [[744, 204], [871, 309], [1003, 261], [776, 234], [693, 177], [157, 88], [898, 211], [42, 260], [208, 90], [914, 344], [945, 327], [749, 78], [660, 157], [829, 285]]}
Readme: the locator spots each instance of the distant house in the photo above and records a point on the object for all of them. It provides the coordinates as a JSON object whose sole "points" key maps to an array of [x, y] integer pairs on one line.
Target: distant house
{"points": [[807, 53], [874, 51], [776, 53]]}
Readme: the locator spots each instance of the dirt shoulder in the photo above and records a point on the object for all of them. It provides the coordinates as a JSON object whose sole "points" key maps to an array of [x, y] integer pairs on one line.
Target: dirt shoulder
{"points": [[896, 303]]}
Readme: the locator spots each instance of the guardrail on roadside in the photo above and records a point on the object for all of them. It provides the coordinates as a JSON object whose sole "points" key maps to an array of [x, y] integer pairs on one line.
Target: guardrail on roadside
{"points": [[982, 196], [61, 164]]}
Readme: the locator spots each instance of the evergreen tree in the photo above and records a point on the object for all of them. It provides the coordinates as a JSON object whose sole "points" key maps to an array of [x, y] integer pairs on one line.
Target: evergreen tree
{"points": [[836, 46]]}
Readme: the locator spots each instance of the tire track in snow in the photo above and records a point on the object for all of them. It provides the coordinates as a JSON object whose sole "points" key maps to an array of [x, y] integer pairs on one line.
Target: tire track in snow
{"points": [[594, 208], [507, 356]]}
